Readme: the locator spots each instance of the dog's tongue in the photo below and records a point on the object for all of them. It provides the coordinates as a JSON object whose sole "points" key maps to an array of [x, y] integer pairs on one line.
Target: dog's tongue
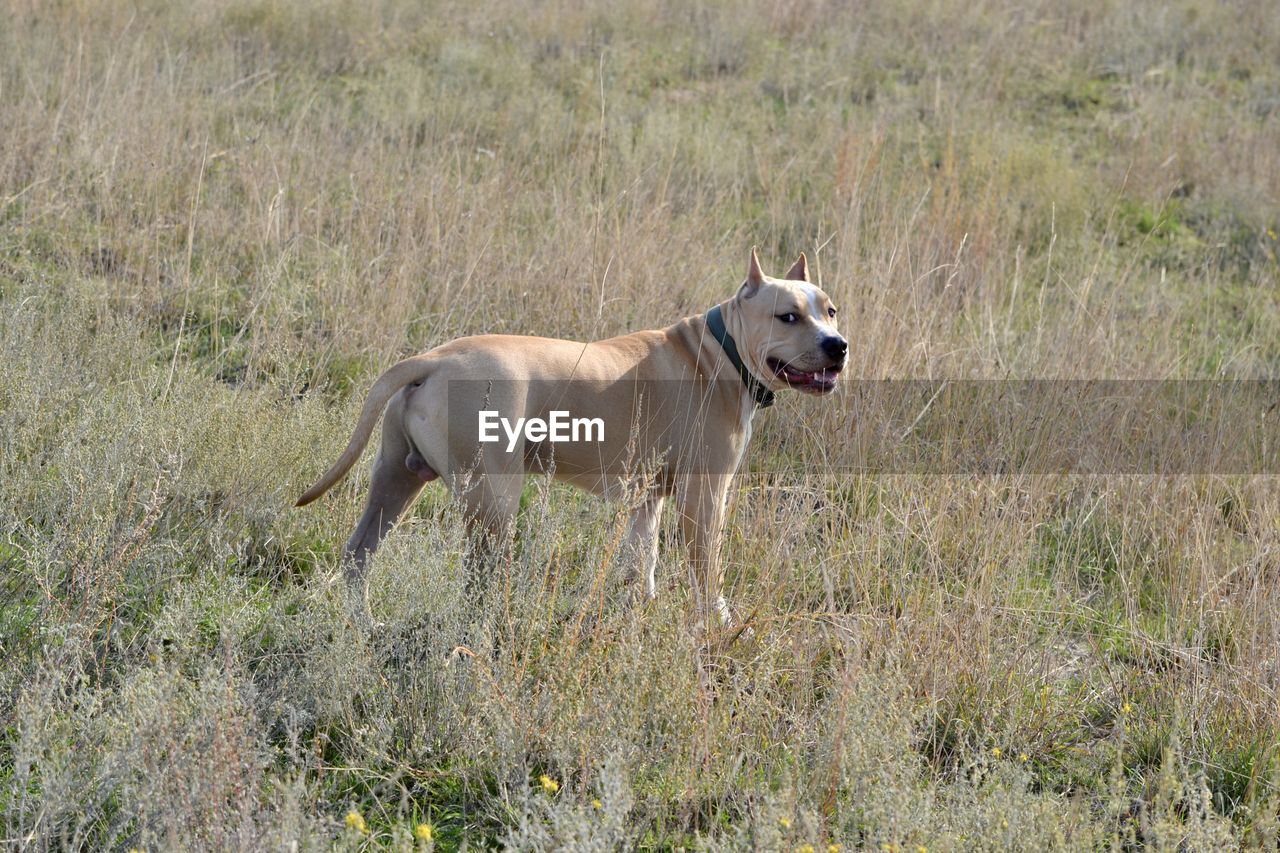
{"points": [[815, 376]]}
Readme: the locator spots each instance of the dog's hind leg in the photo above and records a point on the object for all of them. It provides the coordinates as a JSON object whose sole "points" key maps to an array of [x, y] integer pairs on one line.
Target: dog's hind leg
{"points": [[399, 473], [490, 504]]}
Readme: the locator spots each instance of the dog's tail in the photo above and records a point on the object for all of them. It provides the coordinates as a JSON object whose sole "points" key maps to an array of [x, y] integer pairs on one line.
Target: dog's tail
{"points": [[397, 376]]}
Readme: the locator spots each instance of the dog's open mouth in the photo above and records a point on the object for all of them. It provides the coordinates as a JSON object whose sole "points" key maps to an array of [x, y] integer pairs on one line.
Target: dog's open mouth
{"points": [[811, 381]]}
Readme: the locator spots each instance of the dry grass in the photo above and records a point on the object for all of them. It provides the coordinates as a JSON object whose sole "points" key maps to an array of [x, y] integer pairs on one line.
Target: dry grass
{"points": [[220, 220]]}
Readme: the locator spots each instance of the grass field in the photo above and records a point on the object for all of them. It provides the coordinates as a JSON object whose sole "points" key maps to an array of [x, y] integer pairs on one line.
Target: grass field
{"points": [[220, 220]]}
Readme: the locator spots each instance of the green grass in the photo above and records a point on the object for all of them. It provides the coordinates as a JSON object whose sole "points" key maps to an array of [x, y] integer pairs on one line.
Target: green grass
{"points": [[219, 221]]}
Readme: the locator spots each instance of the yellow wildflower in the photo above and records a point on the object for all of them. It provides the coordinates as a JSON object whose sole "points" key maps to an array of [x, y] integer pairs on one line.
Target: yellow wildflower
{"points": [[1126, 708], [424, 832], [548, 784], [785, 822], [996, 752], [805, 848], [1023, 757], [597, 805], [355, 820]]}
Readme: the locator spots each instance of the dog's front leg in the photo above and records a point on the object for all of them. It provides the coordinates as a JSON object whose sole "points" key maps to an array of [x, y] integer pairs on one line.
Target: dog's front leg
{"points": [[701, 505], [641, 546]]}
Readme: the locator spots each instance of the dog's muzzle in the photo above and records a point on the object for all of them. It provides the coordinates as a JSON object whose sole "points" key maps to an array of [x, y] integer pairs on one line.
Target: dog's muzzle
{"points": [[819, 381]]}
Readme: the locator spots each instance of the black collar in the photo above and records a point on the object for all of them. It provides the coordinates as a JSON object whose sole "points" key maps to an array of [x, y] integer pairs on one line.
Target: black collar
{"points": [[715, 323]]}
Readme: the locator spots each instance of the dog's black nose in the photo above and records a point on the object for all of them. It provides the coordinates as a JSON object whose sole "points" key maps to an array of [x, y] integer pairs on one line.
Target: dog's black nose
{"points": [[835, 346]]}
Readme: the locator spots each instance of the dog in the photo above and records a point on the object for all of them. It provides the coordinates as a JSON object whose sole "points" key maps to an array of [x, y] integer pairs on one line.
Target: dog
{"points": [[674, 403]]}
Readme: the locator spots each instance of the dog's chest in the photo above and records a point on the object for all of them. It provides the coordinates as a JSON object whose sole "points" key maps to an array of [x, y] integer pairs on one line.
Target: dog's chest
{"points": [[744, 430]]}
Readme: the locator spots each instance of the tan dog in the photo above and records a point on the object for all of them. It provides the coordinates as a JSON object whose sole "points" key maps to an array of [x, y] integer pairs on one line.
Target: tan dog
{"points": [[675, 406]]}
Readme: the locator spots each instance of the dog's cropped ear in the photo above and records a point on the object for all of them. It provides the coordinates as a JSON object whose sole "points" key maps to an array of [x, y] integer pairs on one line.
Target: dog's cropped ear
{"points": [[799, 270], [755, 277]]}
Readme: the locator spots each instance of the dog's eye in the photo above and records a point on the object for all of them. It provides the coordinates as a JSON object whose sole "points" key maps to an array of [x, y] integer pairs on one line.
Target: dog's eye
{"points": [[831, 312], [789, 317]]}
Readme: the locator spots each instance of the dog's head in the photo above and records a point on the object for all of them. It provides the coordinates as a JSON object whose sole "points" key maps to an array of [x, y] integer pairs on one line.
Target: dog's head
{"points": [[786, 330]]}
